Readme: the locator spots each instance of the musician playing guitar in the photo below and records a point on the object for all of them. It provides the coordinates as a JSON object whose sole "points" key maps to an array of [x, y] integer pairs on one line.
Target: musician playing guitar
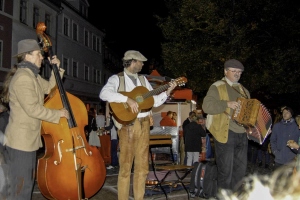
{"points": [[134, 135]]}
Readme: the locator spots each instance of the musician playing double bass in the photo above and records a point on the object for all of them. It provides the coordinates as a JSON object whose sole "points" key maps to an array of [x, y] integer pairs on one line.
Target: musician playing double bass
{"points": [[230, 138], [24, 90], [134, 137]]}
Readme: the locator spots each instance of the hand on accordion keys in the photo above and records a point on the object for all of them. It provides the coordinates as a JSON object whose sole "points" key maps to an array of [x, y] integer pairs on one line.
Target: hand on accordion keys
{"points": [[233, 104]]}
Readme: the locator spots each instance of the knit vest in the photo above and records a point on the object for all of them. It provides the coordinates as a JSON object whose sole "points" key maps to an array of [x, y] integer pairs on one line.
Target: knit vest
{"points": [[218, 125]]}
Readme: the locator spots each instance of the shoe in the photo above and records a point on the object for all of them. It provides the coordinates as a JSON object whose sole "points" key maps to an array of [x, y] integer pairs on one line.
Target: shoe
{"points": [[266, 166], [109, 167], [259, 164]]}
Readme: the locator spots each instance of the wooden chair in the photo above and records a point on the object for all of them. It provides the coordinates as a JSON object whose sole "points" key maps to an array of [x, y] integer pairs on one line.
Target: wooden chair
{"points": [[181, 171]]}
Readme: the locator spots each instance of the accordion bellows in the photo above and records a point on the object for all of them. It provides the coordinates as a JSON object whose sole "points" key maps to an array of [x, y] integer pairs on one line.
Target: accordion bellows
{"points": [[255, 117]]}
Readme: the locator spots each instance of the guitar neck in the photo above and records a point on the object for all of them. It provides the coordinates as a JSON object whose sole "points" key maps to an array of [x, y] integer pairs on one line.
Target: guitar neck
{"points": [[155, 91]]}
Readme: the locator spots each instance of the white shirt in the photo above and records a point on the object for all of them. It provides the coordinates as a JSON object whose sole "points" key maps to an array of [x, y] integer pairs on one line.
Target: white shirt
{"points": [[113, 133], [100, 120], [110, 92]]}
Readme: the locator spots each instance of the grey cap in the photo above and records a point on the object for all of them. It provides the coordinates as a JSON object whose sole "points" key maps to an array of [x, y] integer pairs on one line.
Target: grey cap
{"points": [[136, 55], [27, 45], [233, 63]]}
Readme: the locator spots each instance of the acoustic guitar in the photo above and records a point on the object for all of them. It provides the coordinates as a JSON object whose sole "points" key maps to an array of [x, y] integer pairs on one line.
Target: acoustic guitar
{"points": [[122, 112]]}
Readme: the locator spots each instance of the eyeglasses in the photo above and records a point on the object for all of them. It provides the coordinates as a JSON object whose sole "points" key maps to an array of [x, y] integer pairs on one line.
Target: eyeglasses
{"points": [[235, 71]]}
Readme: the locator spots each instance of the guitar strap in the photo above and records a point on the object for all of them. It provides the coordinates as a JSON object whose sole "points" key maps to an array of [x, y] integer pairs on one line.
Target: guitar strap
{"points": [[121, 88]]}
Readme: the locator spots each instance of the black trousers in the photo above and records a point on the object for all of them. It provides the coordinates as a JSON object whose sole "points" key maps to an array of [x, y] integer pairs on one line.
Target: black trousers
{"points": [[22, 166], [231, 159]]}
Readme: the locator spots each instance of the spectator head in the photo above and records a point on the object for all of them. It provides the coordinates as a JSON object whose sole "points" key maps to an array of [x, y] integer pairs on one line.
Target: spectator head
{"points": [[191, 114], [170, 113], [287, 113]]}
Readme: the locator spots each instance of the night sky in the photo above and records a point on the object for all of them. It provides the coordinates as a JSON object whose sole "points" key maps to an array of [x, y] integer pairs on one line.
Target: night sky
{"points": [[129, 25]]}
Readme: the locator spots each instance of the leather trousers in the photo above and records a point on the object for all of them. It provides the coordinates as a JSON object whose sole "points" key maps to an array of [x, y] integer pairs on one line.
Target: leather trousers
{"points": [[134, 151]]}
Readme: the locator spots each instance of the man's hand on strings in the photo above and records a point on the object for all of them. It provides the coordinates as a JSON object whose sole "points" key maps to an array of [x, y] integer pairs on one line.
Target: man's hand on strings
{"points": [[172, 86], [55, 61], [133, 105], [64, 113]]}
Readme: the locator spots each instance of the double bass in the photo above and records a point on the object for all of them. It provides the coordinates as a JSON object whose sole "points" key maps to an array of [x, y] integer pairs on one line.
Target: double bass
{"points": [[70, 168]]}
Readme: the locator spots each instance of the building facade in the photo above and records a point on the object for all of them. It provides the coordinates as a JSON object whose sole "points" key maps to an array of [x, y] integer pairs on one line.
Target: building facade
{"points": [[77, 42]]}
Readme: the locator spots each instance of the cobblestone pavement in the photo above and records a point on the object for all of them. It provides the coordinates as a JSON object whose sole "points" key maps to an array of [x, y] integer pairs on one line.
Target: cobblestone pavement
{"points": [[109, 189]]}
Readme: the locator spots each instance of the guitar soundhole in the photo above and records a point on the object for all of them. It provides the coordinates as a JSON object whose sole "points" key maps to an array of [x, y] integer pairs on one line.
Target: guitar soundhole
{"points": [[139, 99]]}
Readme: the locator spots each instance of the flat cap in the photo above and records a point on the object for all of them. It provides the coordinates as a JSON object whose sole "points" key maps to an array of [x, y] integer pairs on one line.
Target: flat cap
{"points": [[136, 55], [233, 63]]}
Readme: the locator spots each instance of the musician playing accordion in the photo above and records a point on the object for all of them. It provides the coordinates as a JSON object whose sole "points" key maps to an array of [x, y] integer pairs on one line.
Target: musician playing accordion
{"points": [[230, 139]]}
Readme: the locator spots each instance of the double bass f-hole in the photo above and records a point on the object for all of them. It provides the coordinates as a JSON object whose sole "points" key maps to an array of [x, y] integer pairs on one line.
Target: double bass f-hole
{"points": [[61, 172]]}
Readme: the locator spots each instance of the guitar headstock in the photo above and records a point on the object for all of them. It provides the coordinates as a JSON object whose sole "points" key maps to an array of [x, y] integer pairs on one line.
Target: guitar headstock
{"points": [[180, 81]]}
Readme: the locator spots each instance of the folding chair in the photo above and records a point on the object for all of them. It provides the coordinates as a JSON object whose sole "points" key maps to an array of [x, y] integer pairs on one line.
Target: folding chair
{"points": [[181, 171]]}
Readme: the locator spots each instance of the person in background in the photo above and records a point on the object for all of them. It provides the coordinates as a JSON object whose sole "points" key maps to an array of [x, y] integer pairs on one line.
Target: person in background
{"points": [[3, 123], [133, 138], [167, 120], [3, 117], [114, 144], [175, 117], [189, 119], [24, 90], [100, 120], [94, 139], [262, 152], [297, 118], [282, 132], [181, 142], [230, 138], [193, 133], [277, 186]]}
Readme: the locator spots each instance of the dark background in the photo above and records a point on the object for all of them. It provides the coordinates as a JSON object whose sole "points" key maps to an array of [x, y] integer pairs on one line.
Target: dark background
{"points": [[129, 25]]}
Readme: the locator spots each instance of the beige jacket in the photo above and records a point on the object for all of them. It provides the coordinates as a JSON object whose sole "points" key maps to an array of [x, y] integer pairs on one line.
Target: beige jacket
{"points": [[26, 100]]}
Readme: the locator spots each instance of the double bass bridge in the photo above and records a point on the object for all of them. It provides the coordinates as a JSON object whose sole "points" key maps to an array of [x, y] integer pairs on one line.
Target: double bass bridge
{"points": [[74, 149]]}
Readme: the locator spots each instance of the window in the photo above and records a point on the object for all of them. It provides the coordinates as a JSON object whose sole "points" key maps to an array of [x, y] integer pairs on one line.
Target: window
{"points": [[96, 43], [86, 73], [48, 23], [95, 76], [36, 16], [83, 9], [75, 32], [66, 26], [86, 38], [1, 5], [23, 11], [105, 78], [98, 77], [1, 53], [66, 65], [75, 68]]}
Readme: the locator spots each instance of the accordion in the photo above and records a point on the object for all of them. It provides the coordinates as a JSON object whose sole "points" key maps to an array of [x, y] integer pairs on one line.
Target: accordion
{"points": [[255, 117]]}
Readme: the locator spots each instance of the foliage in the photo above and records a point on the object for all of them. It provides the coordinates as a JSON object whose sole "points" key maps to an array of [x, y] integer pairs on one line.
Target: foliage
{"points": [[200, 35]]}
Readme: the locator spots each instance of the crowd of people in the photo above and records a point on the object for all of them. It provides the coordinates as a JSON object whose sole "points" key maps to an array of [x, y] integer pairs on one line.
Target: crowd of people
{"points": [[22, 111]]}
